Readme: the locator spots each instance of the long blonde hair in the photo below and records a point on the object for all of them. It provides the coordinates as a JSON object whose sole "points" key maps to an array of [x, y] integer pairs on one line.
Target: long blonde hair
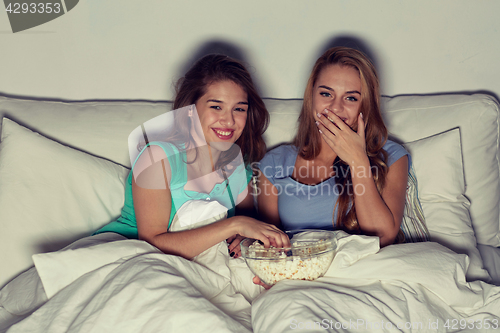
{"points": [[308, 140]]}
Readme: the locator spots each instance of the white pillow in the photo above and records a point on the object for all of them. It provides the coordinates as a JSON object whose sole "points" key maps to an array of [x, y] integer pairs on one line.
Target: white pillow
{"points": [[414, 117], [50, 196], [100, 128], [438, 164], [283, 120], [59, 269]]}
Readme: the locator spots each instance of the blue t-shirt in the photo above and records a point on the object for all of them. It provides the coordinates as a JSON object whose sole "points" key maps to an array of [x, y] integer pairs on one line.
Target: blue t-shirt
{"points": [[302, 206], [126, 224]]}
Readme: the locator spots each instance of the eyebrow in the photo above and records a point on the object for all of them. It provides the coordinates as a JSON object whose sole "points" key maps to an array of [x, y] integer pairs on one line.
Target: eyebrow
{"points": [[348, 92], [218, 101]]}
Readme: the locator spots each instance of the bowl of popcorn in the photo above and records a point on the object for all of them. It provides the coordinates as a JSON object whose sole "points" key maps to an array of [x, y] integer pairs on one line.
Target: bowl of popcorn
{"points": [[308, 258]]}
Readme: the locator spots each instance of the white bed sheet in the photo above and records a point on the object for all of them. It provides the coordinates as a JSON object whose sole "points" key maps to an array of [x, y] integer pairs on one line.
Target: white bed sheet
{"points": [[147, 291], [127, 286], [491, 261], [418, 287]]}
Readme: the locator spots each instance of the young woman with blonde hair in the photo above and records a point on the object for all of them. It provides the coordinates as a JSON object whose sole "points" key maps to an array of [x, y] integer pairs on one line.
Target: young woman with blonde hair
{"points": [[340, 172]]}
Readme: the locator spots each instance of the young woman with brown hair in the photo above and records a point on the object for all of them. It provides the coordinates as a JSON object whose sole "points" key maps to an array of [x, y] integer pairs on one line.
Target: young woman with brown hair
{"points": [[218, 115]]}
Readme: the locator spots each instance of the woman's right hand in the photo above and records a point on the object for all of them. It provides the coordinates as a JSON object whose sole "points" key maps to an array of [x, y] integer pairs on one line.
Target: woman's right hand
{"points": [[267, 233]]}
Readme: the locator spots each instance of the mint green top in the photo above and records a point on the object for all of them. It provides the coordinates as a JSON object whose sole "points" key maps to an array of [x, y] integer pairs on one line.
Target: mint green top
{"points": [[126, 224]]}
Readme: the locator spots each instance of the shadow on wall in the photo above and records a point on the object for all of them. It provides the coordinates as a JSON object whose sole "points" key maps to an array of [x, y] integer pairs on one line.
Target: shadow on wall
{"points": [[352, 42], [357, 44], [342, 40], [225, 48], [360, 45]]}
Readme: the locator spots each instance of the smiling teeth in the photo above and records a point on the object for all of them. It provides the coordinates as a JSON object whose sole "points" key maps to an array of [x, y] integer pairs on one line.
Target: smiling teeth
{"points": [[223, 133]]}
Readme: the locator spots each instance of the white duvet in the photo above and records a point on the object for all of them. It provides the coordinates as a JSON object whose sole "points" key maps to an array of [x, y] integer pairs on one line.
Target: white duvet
{"points": [[107, 284]]}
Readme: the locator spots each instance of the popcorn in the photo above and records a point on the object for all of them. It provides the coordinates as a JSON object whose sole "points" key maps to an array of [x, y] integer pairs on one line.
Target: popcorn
{"points": [[307, 261]]}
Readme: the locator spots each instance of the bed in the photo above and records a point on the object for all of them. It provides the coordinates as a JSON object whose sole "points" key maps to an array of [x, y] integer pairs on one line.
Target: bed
{"points": [[62, 171]]}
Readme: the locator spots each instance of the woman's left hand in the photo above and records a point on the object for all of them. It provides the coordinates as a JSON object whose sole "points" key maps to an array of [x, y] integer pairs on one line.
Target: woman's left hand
{"points": [[234, 245], [257, 281], [349, 146]]}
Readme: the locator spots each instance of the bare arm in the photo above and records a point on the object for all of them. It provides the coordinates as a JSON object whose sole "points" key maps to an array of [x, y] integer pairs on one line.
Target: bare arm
{"points": [[152, 209], [377, 214], [380, 214], [244, 207], [267, 200]]}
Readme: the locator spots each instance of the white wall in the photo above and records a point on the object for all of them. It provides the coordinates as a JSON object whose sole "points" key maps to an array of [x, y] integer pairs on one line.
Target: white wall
{"points": [[124, 49]]}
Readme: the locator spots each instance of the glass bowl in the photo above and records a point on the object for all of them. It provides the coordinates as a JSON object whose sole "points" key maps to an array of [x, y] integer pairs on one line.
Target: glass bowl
{"points": [[308, 258]]}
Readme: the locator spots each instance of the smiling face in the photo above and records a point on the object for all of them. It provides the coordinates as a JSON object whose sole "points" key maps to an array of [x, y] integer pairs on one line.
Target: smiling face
{"points": [[338, 89], [223, 113]]}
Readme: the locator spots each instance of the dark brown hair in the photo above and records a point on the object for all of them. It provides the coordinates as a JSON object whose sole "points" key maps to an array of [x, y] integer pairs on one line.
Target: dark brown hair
{"points": [[216, 68], [308, 139]]}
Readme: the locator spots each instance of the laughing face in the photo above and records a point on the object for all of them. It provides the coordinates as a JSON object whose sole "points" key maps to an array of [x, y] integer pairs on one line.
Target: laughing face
{"points": [[338, 89], [223, 113]]}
